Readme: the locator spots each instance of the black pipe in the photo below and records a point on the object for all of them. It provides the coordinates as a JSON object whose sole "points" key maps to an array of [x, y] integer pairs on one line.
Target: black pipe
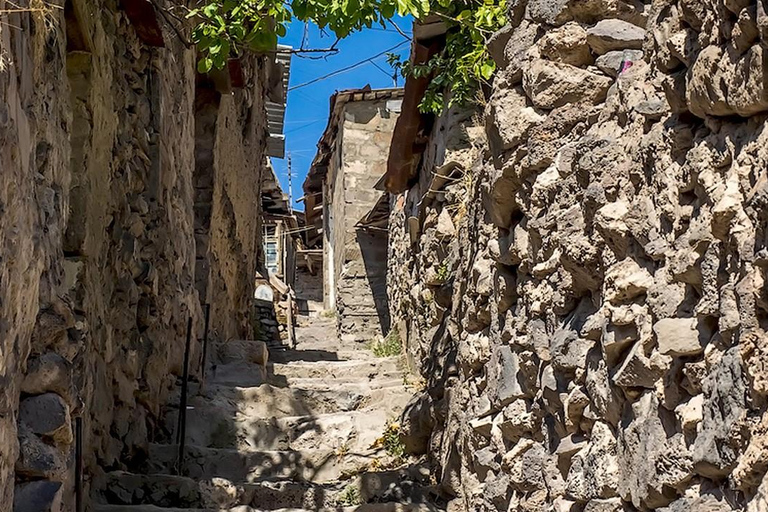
{"points": [[203, 361], [181, 432], [79, 505]]}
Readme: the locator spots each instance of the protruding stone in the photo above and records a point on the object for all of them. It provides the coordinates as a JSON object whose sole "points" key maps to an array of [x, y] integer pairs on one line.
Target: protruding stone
{"points": [[594, 472], [613, 34], [39, 496], [38, 459], [445, 227], [48, 416], [566, 44], [680, 336], [49, 373], [610, 63], [553, 84], [626, 280]]}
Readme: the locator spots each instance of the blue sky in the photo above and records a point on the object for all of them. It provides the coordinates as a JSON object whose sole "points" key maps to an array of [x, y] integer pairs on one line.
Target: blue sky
{"points": [[307, 112]]}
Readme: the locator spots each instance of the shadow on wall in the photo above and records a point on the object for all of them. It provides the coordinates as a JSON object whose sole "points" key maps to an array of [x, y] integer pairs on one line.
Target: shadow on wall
{"points": [[373, 247]]}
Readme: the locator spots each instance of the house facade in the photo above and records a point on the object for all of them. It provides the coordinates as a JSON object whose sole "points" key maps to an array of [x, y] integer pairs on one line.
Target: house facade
{"points": [[345, 208]]}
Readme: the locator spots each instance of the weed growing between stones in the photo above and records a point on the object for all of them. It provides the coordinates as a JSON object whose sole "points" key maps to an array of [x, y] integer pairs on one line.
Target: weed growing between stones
{"points": [[349, 497], [328, 313], [391, 442], [390, 346], [443, 272]]}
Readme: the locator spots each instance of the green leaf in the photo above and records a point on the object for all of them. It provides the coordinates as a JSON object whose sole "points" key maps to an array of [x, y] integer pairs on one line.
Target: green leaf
{"points": [[204, 65], [487, 69]]}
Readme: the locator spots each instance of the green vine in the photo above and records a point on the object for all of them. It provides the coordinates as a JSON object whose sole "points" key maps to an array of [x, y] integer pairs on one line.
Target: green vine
{"points": [[465, 63], [226, 28]]}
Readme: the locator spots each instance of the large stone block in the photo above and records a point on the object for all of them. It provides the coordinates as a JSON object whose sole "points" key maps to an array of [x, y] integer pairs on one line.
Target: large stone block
{"points": [[48, 416], [681, 336], [553, 84], [38, 459], [609, 35], [724, 83], [39, 496]]}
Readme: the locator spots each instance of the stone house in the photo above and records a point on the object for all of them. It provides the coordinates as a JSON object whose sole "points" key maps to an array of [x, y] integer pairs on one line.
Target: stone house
{"points": [[129, 197], [340, 197]]}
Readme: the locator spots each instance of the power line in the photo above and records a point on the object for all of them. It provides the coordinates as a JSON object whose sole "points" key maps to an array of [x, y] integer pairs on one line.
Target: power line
{"points": [[305, 126], [347, 68]]}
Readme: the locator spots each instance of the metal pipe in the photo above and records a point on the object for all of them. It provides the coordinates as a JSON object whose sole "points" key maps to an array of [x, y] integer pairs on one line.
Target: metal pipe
{"points": [[181, 433], [79, 505], [204, 357]]}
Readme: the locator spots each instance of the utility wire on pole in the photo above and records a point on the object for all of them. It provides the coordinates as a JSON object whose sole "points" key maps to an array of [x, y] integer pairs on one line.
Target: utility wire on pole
{"points": [[290, 184]]}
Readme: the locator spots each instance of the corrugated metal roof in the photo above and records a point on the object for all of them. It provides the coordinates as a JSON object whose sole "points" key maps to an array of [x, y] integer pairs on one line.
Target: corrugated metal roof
{"points": [[276, 109]]}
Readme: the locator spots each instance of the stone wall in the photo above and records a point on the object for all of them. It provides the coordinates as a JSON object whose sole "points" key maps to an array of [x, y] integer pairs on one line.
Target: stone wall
{"points": [[97, 260], [599, 332], [360, 254]]}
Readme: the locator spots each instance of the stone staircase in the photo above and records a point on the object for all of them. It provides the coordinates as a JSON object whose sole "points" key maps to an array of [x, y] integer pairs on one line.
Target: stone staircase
{"points": [[297, 433]]}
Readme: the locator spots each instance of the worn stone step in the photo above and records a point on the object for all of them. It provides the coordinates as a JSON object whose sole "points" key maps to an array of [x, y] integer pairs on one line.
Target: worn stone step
{"points": [[226, 427], [411, 484], [314, 354], [386, 380], [240, 373], [362, 369], [310, 465], [169, 490], [368, 507]]}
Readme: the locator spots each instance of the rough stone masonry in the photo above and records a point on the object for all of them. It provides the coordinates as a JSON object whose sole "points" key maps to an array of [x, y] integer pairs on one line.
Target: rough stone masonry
{"points": [[100, 134], [580, 270]]}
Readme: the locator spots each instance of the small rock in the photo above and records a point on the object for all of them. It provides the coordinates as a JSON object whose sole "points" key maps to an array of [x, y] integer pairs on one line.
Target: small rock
{"points": [[550, 12], [219, 493], [652, 109], [485, 462], [39, 496], [614, 34], [49, 373], [691, 413], [680, 336], [639, 371], [511, 378], [611, 62], [626, 280], [445, 227], [609, 505], [566, 44], [482, 426], [594, 472]]}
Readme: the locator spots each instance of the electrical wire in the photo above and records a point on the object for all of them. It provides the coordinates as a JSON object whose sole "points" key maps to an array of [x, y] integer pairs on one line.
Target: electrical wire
{"points": [[347, 68]]}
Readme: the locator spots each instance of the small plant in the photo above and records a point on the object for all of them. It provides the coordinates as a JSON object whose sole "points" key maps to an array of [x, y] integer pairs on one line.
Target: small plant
{"points": [[390, 346], [328, 313], [350, 496], [390, 441], [342, 450], [443, 273]]}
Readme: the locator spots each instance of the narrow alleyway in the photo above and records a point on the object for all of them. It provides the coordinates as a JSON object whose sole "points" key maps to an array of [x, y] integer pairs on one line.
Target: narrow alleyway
{"points": [[301, 432]]}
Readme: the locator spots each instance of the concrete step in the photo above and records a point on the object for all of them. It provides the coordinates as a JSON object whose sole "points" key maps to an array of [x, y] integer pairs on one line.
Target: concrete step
{"points": [[410, 484], [368, 507], [218, 426], [312, 465]]}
